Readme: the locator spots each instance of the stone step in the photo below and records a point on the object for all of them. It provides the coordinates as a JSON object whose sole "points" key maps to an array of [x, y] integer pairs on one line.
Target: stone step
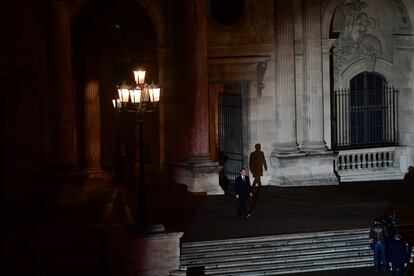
{"points": [[290, 265], [291, 244], [248, 256], [291, 270], [209, 264], [283, 237], [287, 268], [263, 250], [281, 254]]}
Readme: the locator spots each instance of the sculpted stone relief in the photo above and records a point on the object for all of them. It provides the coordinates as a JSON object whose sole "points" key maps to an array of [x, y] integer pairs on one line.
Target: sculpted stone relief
{"points": [[355, 41]]}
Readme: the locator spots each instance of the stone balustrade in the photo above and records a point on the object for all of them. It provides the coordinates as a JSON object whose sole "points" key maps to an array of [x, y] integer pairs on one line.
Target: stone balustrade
{"points": [[365, 159], [368, 164]]}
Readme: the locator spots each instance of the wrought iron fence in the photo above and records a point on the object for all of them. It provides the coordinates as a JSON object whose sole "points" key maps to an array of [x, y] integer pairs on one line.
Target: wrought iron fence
{"points": [[364, 118]]}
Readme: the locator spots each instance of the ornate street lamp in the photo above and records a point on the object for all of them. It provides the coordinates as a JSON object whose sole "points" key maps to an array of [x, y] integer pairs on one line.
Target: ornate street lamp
{"points": [[139, 99]]}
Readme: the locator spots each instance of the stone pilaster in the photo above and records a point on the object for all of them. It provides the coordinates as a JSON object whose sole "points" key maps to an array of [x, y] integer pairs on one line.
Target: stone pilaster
{"points": [[285, 78], [313, 140], [198, 172]]}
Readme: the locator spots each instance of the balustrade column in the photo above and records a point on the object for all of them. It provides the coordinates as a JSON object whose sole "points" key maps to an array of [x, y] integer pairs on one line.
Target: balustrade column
{"points": [[314, 140], [285, 77]]}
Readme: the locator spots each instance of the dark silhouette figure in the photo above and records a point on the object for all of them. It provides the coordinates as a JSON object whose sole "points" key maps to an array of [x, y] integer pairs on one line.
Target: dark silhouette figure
{"points": [[389, 222], [257, 162], [378, 236], [398, 255], [409, 178], [409, 187], [243, 192]]}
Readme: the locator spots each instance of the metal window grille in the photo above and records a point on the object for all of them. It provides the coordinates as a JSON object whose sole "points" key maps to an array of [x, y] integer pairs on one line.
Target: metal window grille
{"points": [[364, 118]]}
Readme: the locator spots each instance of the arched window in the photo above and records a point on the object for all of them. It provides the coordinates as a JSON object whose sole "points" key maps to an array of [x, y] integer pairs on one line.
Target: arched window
{"points": [[366, 114], [368, 108]]}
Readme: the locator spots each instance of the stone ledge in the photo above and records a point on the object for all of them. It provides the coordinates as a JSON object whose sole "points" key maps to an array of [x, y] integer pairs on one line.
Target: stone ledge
{"points": [[310, 169]]}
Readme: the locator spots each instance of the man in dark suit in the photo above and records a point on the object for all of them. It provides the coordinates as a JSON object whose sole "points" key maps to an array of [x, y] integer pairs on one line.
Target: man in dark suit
{"points": [[243, 191], [398, 255]]}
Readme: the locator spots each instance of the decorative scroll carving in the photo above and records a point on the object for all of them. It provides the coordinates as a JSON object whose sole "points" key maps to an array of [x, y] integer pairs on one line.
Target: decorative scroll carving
{"points": [[405, 22], [261, 70], [354, 41]]}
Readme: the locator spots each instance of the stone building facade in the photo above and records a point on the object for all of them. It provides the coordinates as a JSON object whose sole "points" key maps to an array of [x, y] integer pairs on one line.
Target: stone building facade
{"points": [[285, 74]]}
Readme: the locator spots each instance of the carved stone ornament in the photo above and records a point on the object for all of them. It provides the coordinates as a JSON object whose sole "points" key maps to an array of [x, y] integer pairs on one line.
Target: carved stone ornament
{"points": [[354, 41]]}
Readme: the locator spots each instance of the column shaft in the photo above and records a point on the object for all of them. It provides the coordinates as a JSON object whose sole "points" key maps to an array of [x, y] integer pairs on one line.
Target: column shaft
{"points": [[63, 97], [285, 77], [92, 127], [197, 77], [313, 76], [161, 80]]}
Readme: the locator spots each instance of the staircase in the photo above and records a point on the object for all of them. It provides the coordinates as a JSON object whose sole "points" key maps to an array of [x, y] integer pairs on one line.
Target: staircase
{"points": [[279, 254]]}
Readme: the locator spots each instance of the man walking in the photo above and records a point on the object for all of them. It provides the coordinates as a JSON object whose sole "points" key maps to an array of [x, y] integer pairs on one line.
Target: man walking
{"points": [[243, 191]]}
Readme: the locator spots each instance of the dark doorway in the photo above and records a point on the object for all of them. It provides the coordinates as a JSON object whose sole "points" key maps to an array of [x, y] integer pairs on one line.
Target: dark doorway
{"points": [[230, 135]]}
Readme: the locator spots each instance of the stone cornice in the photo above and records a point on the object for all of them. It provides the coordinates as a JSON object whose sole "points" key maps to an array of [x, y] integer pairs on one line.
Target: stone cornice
{"points": [[237, 60], [241, 50]]}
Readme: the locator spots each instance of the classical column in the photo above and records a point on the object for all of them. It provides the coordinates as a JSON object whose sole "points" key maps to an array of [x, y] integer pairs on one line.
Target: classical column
{"points": [[198, 172], [326, 56], [161, 81], [196, 73], [64, 175], [285, 77], [92, 127], [64, 149], [313, 140]]}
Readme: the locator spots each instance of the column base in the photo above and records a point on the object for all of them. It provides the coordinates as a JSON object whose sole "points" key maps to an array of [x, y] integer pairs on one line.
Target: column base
{"points": [[303, 169], [281, 148], [199, 174], [313, 146]]}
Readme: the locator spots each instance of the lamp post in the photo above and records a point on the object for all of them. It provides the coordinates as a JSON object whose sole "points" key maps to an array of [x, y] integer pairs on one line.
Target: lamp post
{"points": [[139, 99]]}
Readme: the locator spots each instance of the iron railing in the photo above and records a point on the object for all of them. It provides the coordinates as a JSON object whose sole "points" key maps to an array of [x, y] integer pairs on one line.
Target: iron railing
{"points": [[364, 118], [230, 134]]}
